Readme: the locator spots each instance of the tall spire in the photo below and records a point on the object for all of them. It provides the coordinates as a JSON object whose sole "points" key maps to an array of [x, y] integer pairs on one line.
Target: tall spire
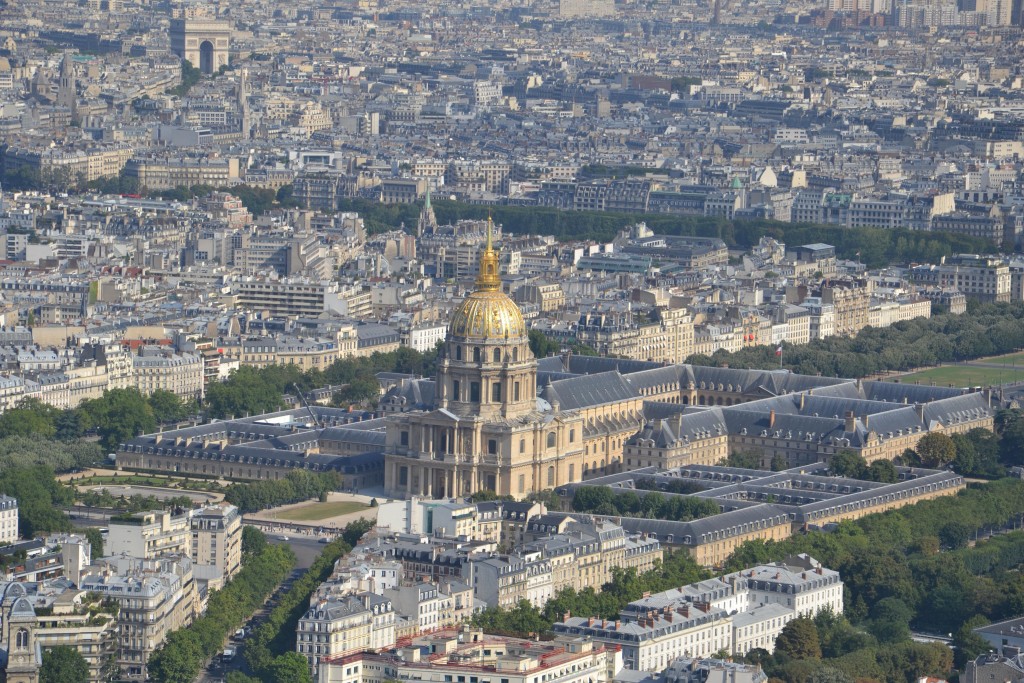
{"points": [[489, 279]]}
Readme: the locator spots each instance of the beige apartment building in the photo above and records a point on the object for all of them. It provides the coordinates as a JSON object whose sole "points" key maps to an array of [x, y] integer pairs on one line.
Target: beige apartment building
{"points": [[211, 537], [155, 173], [154, 598], [179, 373], [984, 278]]}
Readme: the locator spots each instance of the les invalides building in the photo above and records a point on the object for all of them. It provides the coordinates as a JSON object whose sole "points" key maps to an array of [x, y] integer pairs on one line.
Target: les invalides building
{"points": [[486, 427]]}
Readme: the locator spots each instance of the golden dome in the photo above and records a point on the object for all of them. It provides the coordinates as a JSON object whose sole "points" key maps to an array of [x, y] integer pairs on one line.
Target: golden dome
{"points": [[487, 316], [488, 313]]}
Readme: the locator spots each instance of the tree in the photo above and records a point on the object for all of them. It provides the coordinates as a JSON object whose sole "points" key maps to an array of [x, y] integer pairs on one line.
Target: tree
{"points": [[40, 498], [95, 538], [883, 471], [967, 644], [166, 406], [118, 416], [955, 534], [890, 620], [935, 449], [29, 417], [799, 640], [63, 664], [542, 345], [290, 667], [830, 674], [847, 463]]}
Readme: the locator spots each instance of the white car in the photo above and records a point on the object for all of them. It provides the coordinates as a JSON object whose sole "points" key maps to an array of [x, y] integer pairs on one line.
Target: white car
{"points": [[282, 537]]}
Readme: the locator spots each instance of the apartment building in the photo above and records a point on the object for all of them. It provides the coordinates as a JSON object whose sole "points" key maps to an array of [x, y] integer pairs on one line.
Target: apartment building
{"points": [[154, 597], [166, 173], [8, 520], [504, 580], [155, 367], [339, 625], [654, 640], [983, 278], [75, 162], [444, 656], [736, 613], [291, 298], [210, 536], [216, 547]]}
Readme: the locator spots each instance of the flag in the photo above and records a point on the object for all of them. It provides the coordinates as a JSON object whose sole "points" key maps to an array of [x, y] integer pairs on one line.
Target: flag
{"points": [[778, 351]]}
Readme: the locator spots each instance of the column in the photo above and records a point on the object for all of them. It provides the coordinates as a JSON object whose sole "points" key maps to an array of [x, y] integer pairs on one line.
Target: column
{"points": [[427, 482]]}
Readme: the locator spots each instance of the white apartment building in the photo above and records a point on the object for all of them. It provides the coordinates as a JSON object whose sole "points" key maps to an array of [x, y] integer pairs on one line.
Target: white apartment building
{"points": [[8, 520], [737, 612], [653, 641], [799, 583]]}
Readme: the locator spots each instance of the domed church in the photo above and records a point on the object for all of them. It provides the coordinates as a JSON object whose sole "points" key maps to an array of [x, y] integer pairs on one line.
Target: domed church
{"points": [[485, 426]]}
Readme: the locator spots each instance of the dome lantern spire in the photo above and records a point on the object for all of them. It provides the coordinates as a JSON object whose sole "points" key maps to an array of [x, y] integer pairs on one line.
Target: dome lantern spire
{"points": [[489, 279]]}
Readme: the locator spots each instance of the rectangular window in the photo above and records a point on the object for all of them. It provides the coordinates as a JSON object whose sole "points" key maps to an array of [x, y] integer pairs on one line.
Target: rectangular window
{"points": [[403, 476], [515, 391], [404, 438], [496, 392], [522, 483], [456, 393], [492, 446], [474, 392]]}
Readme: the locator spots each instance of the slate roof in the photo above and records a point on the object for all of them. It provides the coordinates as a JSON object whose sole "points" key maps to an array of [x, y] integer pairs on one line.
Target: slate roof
{"points": [[588, 390]]}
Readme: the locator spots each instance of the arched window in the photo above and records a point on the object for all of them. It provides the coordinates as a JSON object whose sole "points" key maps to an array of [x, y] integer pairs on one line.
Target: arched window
{"points": [[522, 445], [551, 439], [476, 354], [497, 355], [21, 640], [551, 476], [458, 353]]}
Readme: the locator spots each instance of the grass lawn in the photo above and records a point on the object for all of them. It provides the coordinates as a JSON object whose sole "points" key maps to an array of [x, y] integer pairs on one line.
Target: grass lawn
{"points": [[1009, 359], [314, 511], [964, 376]]}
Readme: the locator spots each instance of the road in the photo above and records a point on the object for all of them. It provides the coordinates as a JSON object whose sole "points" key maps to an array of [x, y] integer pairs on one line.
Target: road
{"points": [[306, 551]]}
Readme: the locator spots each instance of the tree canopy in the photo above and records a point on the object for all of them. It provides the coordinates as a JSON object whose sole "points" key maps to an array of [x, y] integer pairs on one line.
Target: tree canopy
{"points": [[63, 664]]}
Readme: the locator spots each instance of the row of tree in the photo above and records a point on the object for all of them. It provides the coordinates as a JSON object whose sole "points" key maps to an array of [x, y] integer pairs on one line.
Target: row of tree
{"points": [[270, 650], [627, 585], [989, 329], [829, 649], [181, 657], [896, 575], [875, 247], [297, 486], [251, 391], [601, 500], [918, 557], [134, 503], [118, 415], [40, 499]]}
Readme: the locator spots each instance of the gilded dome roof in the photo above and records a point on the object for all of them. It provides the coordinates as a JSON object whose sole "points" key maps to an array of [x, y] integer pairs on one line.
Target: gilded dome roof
{"points": [[488, 313]]}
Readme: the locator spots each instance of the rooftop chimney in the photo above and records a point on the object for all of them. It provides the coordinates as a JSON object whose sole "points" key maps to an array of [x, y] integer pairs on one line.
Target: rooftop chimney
{"points": [[771, 419]]}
